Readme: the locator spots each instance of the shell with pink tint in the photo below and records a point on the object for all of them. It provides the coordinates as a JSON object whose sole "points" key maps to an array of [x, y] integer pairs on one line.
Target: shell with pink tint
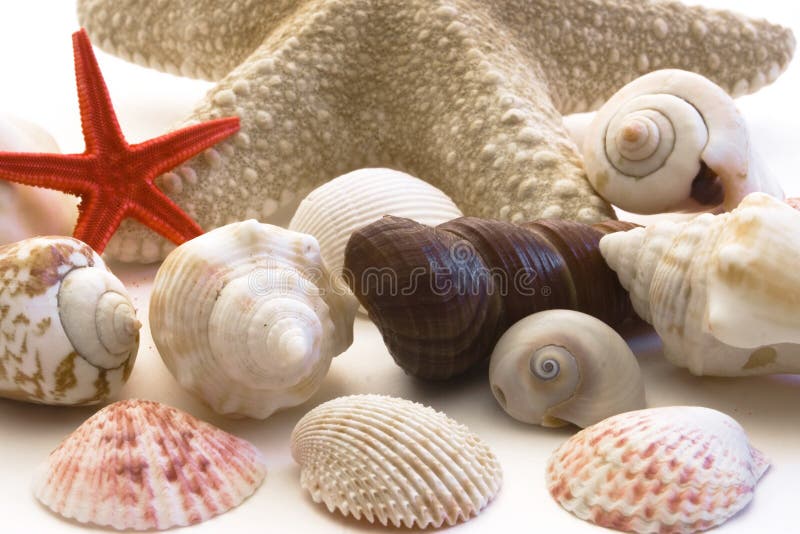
{"points": [[142, 465], [668, 470]]}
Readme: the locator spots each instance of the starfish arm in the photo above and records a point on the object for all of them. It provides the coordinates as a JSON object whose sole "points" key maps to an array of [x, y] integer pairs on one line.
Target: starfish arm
{"points": [[98, 219], [184, 37], [170, 150], [98, 119], [67, 173], [589, 49], [162, 213]]}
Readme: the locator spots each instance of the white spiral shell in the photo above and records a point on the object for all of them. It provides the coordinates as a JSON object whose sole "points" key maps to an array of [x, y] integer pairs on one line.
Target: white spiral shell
{"points": [[248, 318], [68, 330], [678, 469], [562, 366], [661, 143], [722, 291], [393, 461]]}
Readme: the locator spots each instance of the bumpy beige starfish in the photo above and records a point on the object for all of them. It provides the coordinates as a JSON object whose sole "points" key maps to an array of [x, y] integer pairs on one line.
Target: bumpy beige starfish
{"points": [[467, 94]]}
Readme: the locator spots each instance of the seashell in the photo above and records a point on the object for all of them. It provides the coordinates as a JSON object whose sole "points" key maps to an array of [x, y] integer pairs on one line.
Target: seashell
{"points": [[393, 461], [69, 331], [247, 318], [560, 366], [675, 469], [719, 290], [31, 211], [673, 140], [333, 211], [443, 296], [141, 465]]}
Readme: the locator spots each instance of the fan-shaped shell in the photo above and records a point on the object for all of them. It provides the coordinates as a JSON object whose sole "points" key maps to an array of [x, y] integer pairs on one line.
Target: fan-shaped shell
{"points": [[721, 291], [248, 318], [673, 140], [443, 296], [561, 366], [393, 461], [69, 333], [141, 465], [333, 211], [676, 469]]}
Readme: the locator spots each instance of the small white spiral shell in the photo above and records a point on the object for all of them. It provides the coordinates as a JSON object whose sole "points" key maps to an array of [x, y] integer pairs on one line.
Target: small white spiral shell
{"points": [[248, 318], [672, 140]]}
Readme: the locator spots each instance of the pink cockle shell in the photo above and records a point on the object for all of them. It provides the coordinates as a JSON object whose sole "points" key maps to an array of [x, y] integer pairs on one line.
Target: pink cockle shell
{"points": [[142, 465], [667, 470]]}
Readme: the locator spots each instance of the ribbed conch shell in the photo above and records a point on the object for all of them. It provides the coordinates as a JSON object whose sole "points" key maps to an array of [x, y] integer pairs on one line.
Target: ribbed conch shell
{"points": [[333, 211], [68, 331], [723, 291], [664, 470], [248, 318], [31, 211], [561, 366], [393, 461], [141, 465], [443, 296], [673, 140]]}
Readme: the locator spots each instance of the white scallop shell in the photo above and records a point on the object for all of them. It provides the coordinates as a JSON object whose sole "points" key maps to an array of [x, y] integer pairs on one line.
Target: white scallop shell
{"points": [[335, 210], [248, 318], [675, 469], [68, 330], [646, 146], [31, 211], [562, 366], [393, 461], [141, 465], [722, 291]]}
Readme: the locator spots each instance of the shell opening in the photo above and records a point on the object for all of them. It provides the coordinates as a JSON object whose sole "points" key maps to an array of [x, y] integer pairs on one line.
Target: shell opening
{"points": [[500, 396], [544, 363], [707, 188]]}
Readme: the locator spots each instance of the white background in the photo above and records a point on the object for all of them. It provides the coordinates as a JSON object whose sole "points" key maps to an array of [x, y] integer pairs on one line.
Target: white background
{"points": [[37, 84]]}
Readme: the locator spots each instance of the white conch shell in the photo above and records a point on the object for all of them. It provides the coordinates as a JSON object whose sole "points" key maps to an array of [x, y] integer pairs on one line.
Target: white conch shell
{"points": [[335, 210], [723, 291], [651, 140], [675, 469], [68, 330], [248, 318], [393, 461], [31, 211], [562, 366], [141, 465]]}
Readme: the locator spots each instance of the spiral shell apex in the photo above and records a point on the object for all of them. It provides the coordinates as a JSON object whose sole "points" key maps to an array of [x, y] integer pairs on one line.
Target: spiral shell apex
{"points": [[69, 331], [719, 290], [248, 318], [673, 140], [677, 469], [443, 296], [561, 366], [141, 465], [393, 461]]}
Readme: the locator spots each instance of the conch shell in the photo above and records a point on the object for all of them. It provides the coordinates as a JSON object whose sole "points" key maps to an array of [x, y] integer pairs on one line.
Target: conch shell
{"points": [[31, 211], [673, 140], [333, 211], [394, 461], [679, 469], [248, 318], [723, 291], [141, 465], [443, 296], [561, 366], [68, 331]]}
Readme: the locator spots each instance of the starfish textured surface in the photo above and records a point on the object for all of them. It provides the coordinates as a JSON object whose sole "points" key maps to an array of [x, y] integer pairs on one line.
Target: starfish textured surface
{"points": [[115, 179], [466, 94]]}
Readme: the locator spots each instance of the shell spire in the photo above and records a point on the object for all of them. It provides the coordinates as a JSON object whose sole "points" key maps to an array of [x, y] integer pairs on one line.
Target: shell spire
{"points": [[443, 296]]}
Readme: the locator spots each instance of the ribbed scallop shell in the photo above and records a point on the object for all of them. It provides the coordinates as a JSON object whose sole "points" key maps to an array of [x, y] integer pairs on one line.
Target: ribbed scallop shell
{"points": [[393, 461], [141, 465], [667, 470]]}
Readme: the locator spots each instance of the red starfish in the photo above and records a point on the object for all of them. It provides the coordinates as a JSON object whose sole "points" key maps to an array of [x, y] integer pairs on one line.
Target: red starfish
{"points": [[115, 179]]}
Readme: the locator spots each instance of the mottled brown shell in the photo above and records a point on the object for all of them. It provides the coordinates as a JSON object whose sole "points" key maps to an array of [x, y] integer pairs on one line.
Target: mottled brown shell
{"points": [[443, 296]]}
